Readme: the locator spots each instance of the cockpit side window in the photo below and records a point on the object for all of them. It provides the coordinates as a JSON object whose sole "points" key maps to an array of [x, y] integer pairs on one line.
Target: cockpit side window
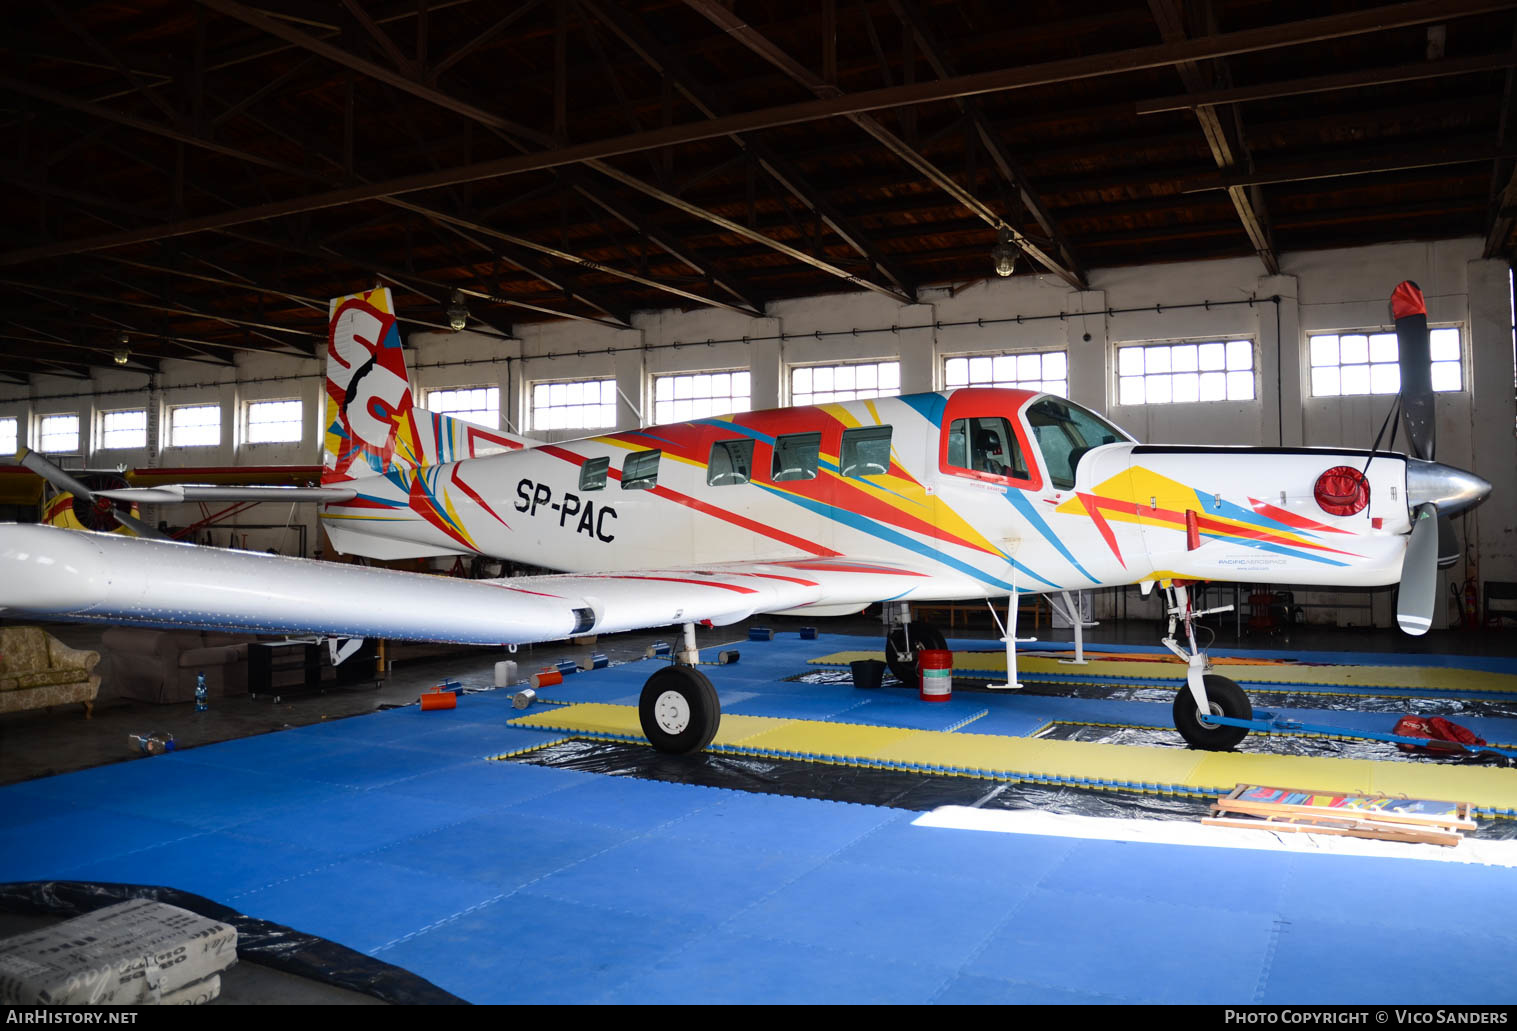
{"points": [[1065, 433], [986, 445]]}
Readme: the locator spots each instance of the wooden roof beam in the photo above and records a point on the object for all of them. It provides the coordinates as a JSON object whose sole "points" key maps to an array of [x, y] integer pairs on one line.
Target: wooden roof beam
{"points": [[640, 38], [722, 17], [1229, 151], [994, 143], [1415, 12]]}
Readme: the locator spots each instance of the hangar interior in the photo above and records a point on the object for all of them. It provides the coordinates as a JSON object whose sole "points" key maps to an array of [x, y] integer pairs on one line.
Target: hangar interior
{"points": [[599, 217]]}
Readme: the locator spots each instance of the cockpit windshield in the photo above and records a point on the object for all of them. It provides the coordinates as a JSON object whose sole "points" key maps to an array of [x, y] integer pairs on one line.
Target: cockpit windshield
{"points": [[1065, 432]]}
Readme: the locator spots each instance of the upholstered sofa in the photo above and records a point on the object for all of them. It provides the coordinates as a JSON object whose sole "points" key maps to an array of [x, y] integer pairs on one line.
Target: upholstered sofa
{"points": [[38, 670], [162, 665]]}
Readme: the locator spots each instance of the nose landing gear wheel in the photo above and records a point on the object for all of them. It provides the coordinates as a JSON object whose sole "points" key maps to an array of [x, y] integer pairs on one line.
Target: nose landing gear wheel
{"points": [[1227, 699], [902, 659], [679, 710]]}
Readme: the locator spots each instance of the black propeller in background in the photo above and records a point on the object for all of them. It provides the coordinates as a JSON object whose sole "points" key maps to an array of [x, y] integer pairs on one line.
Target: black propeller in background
{"points": [[61, 479], [1431, 533]]}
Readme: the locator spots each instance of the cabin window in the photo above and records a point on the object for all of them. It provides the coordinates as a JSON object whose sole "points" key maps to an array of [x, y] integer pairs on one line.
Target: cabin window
{"points": [[865, 451], [985, 445], [1064, 434], [731, 463], [796, 456], [640, 470], [592, 475]]}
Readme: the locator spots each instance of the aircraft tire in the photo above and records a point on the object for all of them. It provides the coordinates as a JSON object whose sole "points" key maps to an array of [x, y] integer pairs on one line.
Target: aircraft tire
{"points": [[679, 710], [924, 637], [1227, 699]]}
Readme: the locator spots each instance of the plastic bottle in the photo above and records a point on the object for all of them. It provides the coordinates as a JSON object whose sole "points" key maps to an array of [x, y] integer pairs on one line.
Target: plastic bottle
{"points": [[152, 744], [200, 693]]}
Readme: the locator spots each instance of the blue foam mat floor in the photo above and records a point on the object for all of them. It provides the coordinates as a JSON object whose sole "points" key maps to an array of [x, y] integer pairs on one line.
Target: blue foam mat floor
{"points": [[394, 834], [756, 686]]}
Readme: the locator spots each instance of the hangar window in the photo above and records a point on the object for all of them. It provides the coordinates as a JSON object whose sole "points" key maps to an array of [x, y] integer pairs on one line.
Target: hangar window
{"points": [[796, 457], [640, 470], [59, 434], [195, 426], [274, 422], [592, 475], [865, 451], [819, 384], [123, 429], [479, 405], [579, 405], [1047, 371], [9, 435], [1184, 373], [699, 395], [986, 445], [1367, 362], [731, 462]]}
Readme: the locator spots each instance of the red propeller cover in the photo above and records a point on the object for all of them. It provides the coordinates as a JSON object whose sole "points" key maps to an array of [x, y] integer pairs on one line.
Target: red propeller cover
{"points": [[1342, 491]]}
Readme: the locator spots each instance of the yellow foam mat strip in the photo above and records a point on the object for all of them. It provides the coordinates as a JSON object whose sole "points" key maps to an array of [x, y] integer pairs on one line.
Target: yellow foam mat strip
{"points": [[1410, 677], [1165, 770]]}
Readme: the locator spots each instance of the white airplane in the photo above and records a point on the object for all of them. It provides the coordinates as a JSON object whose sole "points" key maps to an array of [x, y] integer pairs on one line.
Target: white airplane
{"points": [[817, 511]]}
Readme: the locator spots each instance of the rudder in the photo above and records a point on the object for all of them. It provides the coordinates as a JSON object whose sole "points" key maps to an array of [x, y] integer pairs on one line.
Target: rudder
{"points": [[373, 425]]}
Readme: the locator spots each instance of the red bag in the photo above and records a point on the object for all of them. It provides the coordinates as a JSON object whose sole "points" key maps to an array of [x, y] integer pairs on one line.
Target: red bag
{"points": [[1437, 730]]}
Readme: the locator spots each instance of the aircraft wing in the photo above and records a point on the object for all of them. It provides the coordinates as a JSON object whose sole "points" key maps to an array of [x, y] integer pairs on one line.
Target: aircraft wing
{"points": [[51, 573]]}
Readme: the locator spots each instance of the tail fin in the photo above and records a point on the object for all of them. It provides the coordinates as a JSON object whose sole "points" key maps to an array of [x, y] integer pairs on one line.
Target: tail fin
{"points": [[372, 423]]}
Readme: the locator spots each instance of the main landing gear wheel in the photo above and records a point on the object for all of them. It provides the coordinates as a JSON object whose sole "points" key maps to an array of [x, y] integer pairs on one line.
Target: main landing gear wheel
{"points": [[1227, 699], [901, 658], [679, 710]]}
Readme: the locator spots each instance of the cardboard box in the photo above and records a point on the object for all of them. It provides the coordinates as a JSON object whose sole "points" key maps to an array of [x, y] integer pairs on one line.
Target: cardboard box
{"points": [[131, 954]]}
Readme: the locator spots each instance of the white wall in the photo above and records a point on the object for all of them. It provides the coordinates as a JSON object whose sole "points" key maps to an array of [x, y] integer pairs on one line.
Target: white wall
{"points": [[1319, 291]]}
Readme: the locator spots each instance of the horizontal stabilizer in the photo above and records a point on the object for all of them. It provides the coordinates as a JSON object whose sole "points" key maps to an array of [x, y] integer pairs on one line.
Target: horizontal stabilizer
{"points": [[173, 493]]}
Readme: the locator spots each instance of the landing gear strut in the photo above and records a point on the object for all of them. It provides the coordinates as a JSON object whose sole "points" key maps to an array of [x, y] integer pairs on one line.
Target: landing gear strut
{"points": [[1205, 693], [905, 642], [679, 709]]}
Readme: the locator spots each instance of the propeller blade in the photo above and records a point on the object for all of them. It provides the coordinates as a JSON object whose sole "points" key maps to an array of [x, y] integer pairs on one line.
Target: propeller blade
{"points": [[1410, 311], [63, 481], [53, 474], [1419, 573]]}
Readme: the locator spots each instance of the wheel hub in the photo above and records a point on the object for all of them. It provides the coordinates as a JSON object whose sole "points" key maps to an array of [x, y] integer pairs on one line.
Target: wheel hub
{"points": [[672, 712], [1216, 710]]}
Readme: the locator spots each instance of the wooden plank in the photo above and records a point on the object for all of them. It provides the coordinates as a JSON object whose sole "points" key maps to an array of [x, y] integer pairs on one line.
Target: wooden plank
{"points": [[1406, 835]]}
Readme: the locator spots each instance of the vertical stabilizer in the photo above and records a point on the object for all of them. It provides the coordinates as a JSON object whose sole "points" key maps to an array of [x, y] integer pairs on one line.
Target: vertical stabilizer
{"points": [[373, 426]]}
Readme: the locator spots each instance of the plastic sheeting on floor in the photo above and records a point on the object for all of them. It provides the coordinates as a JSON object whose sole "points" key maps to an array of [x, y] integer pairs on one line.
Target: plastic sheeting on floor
{"points": [[258, 941]]}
